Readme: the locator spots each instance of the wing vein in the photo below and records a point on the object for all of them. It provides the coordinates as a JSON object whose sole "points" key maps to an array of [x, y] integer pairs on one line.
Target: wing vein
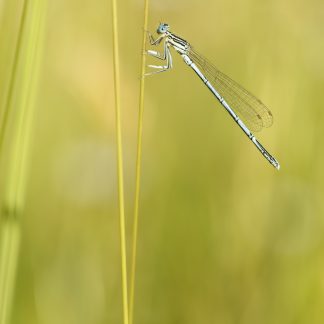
{"points": [[249, 108]]}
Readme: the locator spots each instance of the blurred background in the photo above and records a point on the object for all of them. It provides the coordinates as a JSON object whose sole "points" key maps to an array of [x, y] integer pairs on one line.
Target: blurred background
{"points": [[223, 237]]}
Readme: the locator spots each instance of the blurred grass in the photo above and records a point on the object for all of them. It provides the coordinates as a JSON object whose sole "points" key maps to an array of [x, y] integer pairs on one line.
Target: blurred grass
{"points": [[18, 106], [223, 238], [7, 104]]}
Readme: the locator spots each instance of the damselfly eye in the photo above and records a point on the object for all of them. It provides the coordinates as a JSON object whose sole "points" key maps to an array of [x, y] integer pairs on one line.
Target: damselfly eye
{"points": [[162, 28]]}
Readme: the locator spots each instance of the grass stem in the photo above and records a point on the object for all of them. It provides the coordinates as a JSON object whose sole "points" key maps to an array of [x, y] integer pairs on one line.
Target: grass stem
{"points": [[120, 164], [138, 166]]}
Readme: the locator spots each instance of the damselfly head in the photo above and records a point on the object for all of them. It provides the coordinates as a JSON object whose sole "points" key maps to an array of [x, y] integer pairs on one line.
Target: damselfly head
{"points": [[163, 28]]}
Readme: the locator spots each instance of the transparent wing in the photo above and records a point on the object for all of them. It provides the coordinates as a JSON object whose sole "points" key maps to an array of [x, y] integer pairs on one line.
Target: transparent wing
{"points": [[249, 108]]}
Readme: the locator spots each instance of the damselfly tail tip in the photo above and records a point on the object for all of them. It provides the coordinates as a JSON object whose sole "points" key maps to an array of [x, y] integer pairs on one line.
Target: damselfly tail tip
{"points": [[277, 165], [274, 162]]}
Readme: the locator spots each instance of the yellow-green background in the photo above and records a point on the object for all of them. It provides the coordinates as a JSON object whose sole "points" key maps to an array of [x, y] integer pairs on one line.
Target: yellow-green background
{"points": [[223, 237]]}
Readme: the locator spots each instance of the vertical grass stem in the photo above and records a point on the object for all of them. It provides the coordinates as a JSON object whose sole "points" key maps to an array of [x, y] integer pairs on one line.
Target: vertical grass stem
{"points": [[120, 164], [138, 167]]}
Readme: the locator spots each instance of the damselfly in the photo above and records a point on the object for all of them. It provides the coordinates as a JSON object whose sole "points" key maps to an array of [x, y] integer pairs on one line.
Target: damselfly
{"points": [[229, 93]]}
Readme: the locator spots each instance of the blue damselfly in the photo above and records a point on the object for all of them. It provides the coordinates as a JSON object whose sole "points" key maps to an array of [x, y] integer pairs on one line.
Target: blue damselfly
{"points": [[229, 93]]}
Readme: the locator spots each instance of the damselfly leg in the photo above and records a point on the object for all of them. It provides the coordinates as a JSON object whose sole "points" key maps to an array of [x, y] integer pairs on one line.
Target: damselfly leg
{"points": [[165, 56]]}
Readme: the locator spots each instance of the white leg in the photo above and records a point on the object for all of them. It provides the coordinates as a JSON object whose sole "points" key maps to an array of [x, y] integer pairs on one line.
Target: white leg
{"points": [[158, 55], [162, 68]]}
